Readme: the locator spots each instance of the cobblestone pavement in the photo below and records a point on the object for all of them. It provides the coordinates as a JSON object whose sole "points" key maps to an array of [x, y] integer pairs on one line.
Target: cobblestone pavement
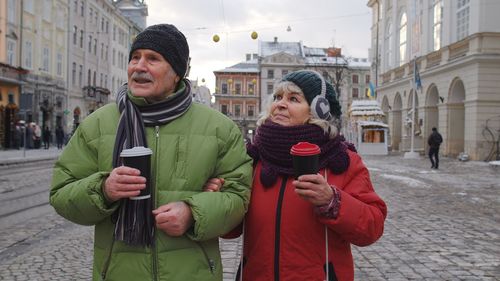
{"points": [[442, 225]]}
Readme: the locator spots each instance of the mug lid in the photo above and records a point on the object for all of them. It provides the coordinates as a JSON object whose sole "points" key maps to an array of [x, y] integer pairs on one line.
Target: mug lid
{"points": [[305, 149], [136, 151]]}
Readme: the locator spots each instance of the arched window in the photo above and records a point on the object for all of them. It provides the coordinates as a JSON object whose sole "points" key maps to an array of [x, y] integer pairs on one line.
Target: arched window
{"points": [[403, 25], [437, 20], [388, 46]]}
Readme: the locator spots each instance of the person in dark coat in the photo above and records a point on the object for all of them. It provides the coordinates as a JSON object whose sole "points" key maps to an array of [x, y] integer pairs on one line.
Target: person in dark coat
{"points": [[59, 137], [46, 137], [434, 141]]}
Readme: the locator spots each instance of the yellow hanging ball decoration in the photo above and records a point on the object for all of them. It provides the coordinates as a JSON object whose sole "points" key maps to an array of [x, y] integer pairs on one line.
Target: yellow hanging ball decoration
{"points": [[216, 38], [254, 35]]}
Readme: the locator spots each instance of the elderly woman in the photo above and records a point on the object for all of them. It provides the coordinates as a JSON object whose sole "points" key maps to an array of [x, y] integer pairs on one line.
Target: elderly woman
{"points": [[302, 229]]}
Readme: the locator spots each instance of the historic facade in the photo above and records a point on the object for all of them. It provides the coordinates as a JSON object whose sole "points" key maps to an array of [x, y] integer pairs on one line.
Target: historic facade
{"points": [[452, 50], [237, 94]]}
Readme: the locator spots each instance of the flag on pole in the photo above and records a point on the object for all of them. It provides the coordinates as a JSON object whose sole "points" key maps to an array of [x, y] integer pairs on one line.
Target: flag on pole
{"points": [[418, 82], [371, 91]]}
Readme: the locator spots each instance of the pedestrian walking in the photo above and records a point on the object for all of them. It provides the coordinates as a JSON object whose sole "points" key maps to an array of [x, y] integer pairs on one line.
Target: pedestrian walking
{"points": [[37, 136], [190, 144], [46, 137], [302, 228], [434, 141], [59, 137]]}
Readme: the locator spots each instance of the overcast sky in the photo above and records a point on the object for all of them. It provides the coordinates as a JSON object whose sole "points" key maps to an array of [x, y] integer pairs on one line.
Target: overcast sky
{"points": [[317, 23]]}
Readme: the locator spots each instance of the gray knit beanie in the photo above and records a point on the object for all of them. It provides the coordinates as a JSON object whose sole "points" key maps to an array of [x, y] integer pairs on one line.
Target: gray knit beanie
{"points": [[310, 84], [167, 40]]}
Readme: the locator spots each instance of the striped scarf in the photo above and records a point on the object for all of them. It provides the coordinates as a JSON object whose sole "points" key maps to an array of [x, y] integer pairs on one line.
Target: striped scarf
{"points": [[134, 118]]}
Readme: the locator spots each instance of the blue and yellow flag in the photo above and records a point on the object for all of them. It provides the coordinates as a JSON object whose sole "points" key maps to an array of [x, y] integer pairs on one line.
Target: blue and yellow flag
{"points": [[371, 91]]}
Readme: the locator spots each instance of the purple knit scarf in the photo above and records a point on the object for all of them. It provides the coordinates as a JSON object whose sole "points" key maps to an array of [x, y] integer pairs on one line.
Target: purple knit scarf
{"points": [[272, 145]]}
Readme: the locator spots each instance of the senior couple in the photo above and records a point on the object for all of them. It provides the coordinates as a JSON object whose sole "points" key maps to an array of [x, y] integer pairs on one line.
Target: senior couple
{"points": [[207, 185]]}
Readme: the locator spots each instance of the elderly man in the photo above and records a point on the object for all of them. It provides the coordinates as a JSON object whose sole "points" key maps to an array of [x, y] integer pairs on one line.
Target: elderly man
{"points": [[190, 143]]}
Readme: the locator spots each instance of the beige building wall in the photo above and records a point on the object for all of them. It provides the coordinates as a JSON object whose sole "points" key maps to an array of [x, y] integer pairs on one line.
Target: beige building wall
{"points": [[460, 76]]}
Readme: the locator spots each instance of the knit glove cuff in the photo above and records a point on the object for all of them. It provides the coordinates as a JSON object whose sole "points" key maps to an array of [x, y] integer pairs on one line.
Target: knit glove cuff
{"points": [[330, 210]]}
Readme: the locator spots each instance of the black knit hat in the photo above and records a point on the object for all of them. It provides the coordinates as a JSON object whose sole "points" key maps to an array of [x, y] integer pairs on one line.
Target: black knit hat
{"points": [[167, 40], [310, 84]]}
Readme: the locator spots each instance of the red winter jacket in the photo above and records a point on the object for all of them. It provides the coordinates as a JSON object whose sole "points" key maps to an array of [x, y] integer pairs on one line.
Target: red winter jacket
{"points": [[285, 240]]}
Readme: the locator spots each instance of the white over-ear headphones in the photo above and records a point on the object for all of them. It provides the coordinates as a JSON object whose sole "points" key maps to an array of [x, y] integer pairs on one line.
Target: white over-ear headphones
{"points": [[320, 107]]}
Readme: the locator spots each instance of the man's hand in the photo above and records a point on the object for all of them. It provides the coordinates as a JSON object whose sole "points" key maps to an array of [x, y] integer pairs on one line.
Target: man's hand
{"points": [[174, 218], [123, 182]]}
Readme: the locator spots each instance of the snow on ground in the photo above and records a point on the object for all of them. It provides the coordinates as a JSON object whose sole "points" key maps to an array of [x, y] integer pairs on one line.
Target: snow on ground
{"points": [[407, 181]]}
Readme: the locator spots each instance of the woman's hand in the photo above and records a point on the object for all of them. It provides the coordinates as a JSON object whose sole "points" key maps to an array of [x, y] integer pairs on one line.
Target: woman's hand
{"points": [[314, 189], [213, 184]]}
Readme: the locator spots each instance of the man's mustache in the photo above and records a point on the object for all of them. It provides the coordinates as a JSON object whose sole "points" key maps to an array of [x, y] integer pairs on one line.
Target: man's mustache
{"points": [[142, 76]]}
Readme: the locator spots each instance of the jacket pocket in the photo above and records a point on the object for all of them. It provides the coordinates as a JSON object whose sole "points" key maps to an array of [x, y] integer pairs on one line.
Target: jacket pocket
{"points": [[210, 262]]}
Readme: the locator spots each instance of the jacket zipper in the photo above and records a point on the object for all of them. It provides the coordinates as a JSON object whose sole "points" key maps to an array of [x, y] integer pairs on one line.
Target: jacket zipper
{"points": [[278, 230], [107, 261], [153, 194], [210, 262]]}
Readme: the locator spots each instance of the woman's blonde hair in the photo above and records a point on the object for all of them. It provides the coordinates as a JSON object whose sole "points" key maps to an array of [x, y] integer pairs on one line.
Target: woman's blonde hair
{"points": [[286, 87]]}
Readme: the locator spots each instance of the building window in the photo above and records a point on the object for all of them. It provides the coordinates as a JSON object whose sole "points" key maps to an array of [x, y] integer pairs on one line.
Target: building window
{"points": [[95, 46], [114, 32], [251, 89], [251, 111], [284, 72], [237, 110], [101, 80], [75, 6], [75, 34], [94, 80], [59, 64], [388, 46], [81, 39], [224, 89], [90, 44], [402, 39], [270, 73], [82, 9], [223, 109], [89, 77], [270, 89], [80, 75], [355, 79], [11, 52], [11, 11], [73, 74], [28, 53], [462, 19], [91, 14], [28, 6], [47, 10], [367, 79], [437, 20], [237, 88], [45, 59], [355, 93]]}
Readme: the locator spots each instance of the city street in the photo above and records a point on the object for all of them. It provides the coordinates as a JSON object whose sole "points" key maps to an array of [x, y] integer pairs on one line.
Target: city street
{"points": [[442, 225]]}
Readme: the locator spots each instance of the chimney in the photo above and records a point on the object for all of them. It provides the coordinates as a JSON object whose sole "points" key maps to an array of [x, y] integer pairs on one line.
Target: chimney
{"points": [[275, 39]]}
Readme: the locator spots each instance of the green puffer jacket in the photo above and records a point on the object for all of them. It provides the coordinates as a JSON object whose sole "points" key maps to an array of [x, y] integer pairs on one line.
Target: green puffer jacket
{"points": [[199, 145]]}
